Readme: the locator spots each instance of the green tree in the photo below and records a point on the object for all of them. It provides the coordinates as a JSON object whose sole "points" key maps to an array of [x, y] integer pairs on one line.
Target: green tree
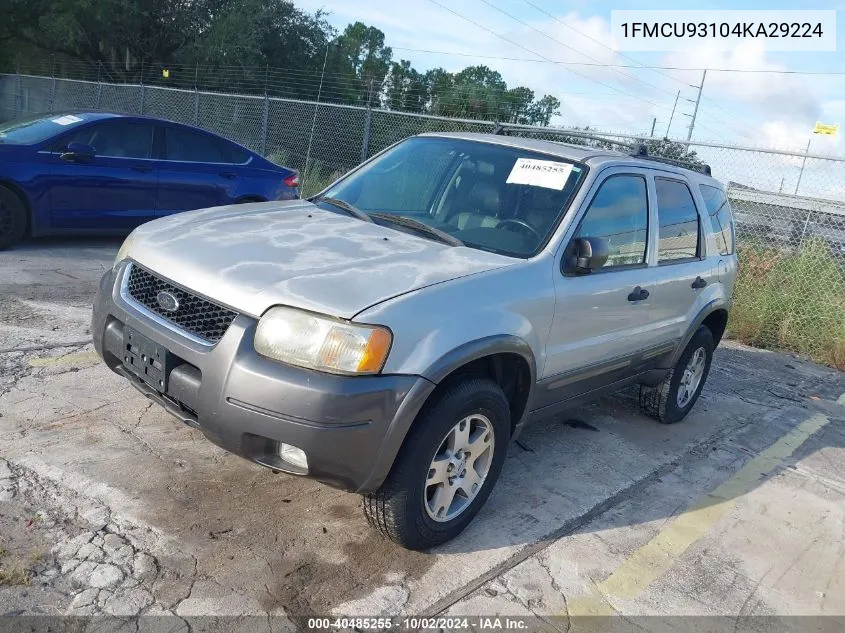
{"points": [[671, 149], [116, 34], [405, 88], [541, 112], [359, 64]]}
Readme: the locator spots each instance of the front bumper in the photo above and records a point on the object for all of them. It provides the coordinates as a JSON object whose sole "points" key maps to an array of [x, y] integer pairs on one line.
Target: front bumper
{"points": [[350, 427]]}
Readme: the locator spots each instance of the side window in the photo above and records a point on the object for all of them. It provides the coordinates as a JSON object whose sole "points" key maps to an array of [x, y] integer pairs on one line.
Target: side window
{"points": [[193, 147], [678, 219], [720, 218], [120, 140], [80, 136], [619, 214]]}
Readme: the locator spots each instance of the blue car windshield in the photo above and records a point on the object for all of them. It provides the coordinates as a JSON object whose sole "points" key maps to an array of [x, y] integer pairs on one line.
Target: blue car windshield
{"points": [[37, 129], [493, 197]]}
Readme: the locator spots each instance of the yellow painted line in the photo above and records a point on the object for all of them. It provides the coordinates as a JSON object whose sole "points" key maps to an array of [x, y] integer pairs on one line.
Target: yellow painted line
{"points": [[67, 359], [656, 557]]}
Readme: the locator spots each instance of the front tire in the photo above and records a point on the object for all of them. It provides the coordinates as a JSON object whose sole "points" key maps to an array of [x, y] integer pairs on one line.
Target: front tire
{"points": [[446, 468], [670, 400], [13, 218]]}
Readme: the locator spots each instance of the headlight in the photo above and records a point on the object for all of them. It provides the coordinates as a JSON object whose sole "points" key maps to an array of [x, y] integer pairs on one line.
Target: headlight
{"points": [[318, 342], [124, 249]]}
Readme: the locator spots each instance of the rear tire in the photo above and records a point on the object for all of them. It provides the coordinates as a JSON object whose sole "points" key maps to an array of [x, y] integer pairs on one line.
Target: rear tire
{"points": [[670, 400], [414, 504], [13, 218]]}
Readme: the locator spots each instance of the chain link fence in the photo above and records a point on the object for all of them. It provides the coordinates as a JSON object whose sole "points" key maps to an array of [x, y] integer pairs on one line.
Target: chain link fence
{"points": [[789, 206]]}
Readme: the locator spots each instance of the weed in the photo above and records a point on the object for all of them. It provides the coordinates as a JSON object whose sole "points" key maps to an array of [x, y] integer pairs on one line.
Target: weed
{"points": [[15, 576], [791, 301]]}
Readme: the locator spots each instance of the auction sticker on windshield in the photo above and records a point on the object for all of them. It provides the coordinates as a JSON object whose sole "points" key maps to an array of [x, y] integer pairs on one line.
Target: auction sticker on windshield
{"points": [[66, 120], [540, 173]]}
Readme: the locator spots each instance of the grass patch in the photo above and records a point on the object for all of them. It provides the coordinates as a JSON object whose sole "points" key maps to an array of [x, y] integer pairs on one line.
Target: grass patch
{"points": [[791, 301], [15, 576]]}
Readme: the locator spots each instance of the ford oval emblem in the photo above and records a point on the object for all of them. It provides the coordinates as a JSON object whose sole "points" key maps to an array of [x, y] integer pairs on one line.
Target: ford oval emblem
{"points": [[167, 301]]}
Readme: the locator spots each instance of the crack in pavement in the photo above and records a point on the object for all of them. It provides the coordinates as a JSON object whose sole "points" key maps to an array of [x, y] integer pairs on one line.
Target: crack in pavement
{"points": [[106, 567]]}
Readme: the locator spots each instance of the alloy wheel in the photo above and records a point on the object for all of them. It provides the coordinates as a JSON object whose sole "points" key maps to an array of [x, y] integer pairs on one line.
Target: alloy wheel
{"points": [[691, 378], [459, 467]]}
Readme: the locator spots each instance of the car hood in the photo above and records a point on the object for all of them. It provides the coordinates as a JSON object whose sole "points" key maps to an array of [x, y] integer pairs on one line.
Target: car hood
{"points": [[254, 256]]}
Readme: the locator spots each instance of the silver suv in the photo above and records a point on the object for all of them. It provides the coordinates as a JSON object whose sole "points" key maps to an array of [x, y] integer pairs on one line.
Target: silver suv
{"points": [[391, 335]]}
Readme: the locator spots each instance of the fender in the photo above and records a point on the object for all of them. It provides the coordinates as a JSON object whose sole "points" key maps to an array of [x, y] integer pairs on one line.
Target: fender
{"points": [[709, 308], [435, 374], [473, 350]]}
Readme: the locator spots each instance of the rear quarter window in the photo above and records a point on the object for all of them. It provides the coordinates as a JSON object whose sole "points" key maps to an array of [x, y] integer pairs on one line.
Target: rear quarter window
{"points": [[721, 221], [194, 147]]}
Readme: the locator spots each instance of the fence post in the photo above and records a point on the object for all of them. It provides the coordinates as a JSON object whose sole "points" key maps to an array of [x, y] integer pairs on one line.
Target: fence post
{"points": [[804, 230], [18, 93], [368, 124], [264, 122], [99, 88], [196, 95], [143, 91], [53, 84]]}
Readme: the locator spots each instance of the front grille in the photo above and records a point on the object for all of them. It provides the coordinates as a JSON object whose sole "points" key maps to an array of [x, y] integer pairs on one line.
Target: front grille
{"points": [[196, 315]]}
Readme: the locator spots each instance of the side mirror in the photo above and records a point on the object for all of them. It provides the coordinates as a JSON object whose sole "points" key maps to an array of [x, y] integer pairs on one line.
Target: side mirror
{"points": [[584, 255], [75, 152]]}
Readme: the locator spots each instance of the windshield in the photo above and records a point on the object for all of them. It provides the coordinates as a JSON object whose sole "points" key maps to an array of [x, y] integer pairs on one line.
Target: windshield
{"points": [[493, 197], [36, 129]]}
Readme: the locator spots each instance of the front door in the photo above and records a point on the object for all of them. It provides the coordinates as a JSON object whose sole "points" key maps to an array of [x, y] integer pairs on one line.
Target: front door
{"points": [[601, 319], [116, 189]]}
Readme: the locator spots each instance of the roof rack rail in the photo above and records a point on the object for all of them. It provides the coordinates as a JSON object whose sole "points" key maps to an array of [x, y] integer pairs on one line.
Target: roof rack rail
{"points": [[502, 129], [641, 151], [637, 149]]}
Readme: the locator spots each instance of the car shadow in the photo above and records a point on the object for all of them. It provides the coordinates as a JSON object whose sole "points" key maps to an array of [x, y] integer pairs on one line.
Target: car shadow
{"points": [[41, 244], [563, 472]]}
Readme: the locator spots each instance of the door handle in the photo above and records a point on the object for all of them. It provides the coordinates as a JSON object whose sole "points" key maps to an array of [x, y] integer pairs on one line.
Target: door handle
{"points": [[142, 168], [699, 283], [638, 294], [228, 174]]}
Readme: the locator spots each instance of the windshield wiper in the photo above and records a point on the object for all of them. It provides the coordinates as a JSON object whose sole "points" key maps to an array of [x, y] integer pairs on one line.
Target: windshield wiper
{"points": [[345, 206], [416, 225]]}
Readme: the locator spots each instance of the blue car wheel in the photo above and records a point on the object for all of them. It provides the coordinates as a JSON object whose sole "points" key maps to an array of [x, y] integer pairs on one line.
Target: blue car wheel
{"points": [[12, 218]]}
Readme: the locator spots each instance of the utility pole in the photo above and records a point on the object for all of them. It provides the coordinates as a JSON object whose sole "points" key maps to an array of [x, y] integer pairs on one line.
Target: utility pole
{"points": [[653, 123], [677, 96], [697, 101]]}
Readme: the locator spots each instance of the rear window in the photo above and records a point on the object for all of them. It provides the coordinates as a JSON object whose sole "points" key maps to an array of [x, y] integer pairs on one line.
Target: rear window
{"points": [[194, 147], [678, 232], [37, 129], [719, 210]]}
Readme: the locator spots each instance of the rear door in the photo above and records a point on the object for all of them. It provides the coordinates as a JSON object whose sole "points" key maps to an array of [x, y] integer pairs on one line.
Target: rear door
{"points": [[601, 322], [684, 270], [114, 190], [197, 171]]}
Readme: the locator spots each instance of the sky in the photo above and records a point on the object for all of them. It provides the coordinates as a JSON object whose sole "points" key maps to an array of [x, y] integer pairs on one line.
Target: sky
{"points": [[760, 109]]}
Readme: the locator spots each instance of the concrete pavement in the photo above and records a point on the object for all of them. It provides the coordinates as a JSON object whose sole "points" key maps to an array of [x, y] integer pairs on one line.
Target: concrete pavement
{"points": [[737, 510]]}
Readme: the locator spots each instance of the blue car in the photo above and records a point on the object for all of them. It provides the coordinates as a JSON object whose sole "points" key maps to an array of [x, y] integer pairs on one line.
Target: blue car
{"points": [[96, 173]]}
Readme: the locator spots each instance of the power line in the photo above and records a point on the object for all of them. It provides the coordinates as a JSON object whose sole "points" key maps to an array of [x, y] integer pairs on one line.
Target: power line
{"points": [[557, 41], [636, 66], [506, 39], [656, 69]]}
